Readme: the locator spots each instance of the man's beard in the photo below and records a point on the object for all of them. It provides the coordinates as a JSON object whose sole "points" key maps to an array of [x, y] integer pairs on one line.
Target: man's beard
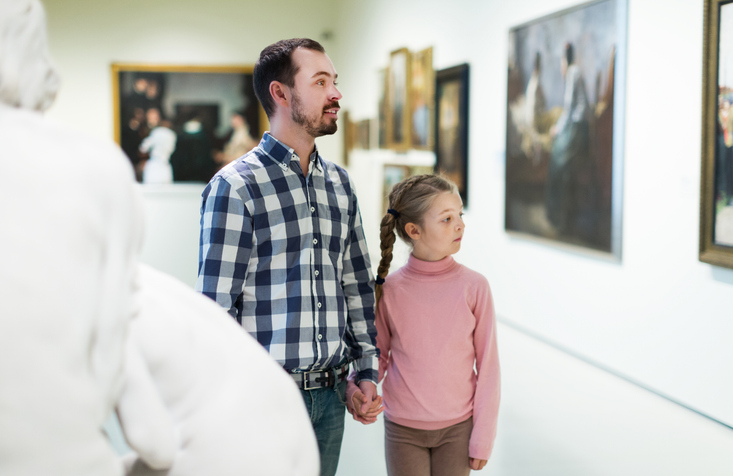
{"points": [[315, 127]]}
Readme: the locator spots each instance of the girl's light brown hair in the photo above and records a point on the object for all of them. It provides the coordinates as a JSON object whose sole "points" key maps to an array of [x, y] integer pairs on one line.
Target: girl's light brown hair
{"points": [[409, 200]]}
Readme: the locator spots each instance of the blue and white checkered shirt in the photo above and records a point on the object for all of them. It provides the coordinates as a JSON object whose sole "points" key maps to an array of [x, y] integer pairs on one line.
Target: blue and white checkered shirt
{"points": [[285, 254]]}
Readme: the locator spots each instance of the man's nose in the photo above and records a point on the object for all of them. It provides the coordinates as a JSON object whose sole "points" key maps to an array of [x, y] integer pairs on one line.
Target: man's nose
{"points": [[335, 93]]}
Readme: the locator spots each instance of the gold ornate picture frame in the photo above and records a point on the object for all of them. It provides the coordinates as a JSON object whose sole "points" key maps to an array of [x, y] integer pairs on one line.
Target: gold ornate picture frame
{"points": [[716, 185], [180, 123], [398, 100]]}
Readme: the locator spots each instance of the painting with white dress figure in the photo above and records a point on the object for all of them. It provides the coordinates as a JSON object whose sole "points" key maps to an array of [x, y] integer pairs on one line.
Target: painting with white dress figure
{"points": [[564, 127], [182, 124]]}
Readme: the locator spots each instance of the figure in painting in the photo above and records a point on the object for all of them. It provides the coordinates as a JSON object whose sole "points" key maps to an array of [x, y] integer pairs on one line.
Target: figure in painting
{"points": [[158, 145], [724, 170], [240, 141], [570, 150], [535, 96]]}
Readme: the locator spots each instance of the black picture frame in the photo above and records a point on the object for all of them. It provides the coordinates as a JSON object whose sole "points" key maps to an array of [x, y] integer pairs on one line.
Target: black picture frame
{"points": [[451, 125]]}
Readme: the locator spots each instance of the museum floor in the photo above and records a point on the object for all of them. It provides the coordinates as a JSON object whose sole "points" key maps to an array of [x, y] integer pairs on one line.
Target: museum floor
{"points": [[563, 417], [560, 416]]}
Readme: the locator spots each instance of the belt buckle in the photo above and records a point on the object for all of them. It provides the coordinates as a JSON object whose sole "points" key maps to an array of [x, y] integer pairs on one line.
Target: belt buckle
{"points": [[305, 381]]}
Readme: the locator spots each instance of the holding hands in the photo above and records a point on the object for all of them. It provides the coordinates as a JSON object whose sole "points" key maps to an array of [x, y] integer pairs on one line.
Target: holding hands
{"points": [[362, 401]]}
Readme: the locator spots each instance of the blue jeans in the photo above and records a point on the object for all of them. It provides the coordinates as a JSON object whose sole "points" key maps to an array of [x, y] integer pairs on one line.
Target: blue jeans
{"points": [[327, 409]]}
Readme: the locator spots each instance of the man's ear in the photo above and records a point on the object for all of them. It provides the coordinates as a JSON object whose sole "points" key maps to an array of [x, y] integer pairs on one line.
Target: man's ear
{"points": [[280, 93], [413, 231]]}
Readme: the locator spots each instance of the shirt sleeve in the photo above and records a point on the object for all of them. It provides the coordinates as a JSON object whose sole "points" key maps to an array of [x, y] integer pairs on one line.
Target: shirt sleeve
{"points": [[225, 244], [358, 285], [488, 386]]}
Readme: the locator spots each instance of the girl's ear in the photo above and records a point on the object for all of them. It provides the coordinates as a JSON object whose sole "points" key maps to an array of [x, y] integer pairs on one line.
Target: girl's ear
{"points": [[413, 231], [279, 93]]}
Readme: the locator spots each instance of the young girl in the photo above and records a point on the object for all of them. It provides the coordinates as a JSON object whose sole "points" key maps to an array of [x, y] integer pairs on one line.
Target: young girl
{"points": [[435, 322]]}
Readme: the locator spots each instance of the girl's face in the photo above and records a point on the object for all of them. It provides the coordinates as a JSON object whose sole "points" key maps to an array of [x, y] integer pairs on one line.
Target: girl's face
{"points": [[441, 232]]}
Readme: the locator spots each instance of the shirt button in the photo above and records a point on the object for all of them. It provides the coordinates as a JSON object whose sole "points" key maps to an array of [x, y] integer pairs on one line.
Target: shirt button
{"points": [[315, 241], [317, 273], [319, 305], [320, 336], [294, 157], [313, 209]]}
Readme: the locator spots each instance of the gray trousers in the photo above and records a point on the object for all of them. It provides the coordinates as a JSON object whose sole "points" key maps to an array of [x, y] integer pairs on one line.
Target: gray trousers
{"points": [[413, 452]]}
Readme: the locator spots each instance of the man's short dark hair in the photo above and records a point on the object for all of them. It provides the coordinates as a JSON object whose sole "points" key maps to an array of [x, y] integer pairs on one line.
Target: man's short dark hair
{"points": [[276, 64]]}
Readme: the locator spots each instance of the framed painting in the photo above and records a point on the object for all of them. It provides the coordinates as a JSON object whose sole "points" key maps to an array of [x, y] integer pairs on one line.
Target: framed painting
{"points": [[451, 126], [422, 99], [564, 134], [349, 129], [183, 123], [382, 112], [362, 136], [716, 210], [398, 100]]}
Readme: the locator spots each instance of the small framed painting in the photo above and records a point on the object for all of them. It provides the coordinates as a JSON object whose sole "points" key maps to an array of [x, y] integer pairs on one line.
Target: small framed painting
{"points": [[398, 100], [451, 126]]}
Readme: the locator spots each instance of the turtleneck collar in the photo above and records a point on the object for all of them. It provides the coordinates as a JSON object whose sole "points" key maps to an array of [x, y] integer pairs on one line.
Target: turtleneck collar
{"points": [[430, 268]]}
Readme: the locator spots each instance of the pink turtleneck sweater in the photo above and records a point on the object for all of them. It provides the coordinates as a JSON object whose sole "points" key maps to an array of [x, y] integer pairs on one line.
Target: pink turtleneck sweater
{"points": [[434, 322]]}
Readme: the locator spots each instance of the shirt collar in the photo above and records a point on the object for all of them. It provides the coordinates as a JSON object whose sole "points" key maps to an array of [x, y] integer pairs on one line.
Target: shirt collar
{"points": [[430, 268], [282, 154]]}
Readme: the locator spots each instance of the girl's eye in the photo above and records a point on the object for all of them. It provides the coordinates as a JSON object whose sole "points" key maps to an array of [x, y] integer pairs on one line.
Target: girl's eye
{"points": [[320, 83], [335, 83]]}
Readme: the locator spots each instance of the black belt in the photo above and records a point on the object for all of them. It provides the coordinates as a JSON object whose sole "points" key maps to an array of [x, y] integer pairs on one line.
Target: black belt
{"points": [[320, 378]]}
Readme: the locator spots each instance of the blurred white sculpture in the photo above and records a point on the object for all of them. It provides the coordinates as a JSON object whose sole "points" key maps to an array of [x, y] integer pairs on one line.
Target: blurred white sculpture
{"points": [[197, 395], [71, 227], [226, 407]]}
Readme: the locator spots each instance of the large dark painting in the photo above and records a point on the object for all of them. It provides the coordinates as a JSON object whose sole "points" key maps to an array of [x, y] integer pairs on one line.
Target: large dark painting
{"points": [[716, 219], [182, 124], [564, 116]]}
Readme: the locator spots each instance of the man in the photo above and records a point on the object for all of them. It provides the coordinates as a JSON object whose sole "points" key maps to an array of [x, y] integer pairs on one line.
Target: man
{"points": [[282, 246]]}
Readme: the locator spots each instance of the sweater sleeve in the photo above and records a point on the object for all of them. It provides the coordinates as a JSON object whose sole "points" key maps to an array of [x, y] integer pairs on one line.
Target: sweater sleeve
{"points": [[384, 337], [487, 395]]}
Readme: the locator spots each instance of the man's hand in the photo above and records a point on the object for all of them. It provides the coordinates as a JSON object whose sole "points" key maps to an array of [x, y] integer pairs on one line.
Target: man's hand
{"points": [[358, 404], [369, 391], [477, 464]]}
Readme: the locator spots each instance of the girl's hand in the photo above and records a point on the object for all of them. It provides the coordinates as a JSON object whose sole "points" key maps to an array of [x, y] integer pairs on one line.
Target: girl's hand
{"points": [[355, 400], [477, 464]]}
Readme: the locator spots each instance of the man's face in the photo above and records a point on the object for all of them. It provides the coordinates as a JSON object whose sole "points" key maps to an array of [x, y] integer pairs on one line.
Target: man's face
{"points": [[314, 95]]}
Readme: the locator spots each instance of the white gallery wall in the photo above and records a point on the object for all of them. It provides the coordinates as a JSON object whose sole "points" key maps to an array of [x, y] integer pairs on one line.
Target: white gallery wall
{"points": [[658, 317]]}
